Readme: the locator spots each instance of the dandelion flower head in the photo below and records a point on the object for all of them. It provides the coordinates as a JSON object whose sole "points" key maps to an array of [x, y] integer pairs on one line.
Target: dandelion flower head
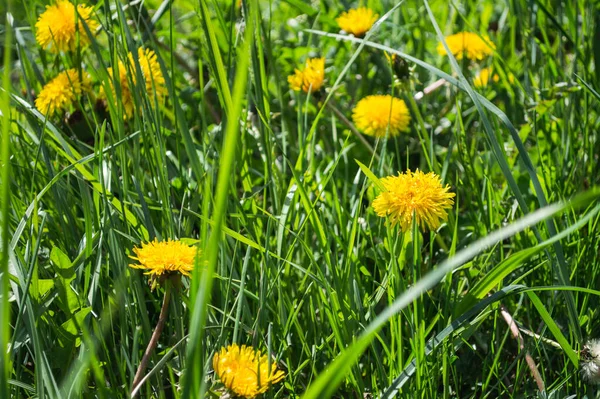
{"points": [[375, 115], [56, 28], [311, 78], [357, 21], [154, 80], [161, 259], [487, 75], [590, 361], [62, 92], [467, 44], [414, 193], [245, 371], [484, 76]]}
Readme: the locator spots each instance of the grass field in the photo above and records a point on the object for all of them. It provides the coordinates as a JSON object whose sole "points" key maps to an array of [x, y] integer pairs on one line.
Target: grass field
{"points": [[127, 123]]}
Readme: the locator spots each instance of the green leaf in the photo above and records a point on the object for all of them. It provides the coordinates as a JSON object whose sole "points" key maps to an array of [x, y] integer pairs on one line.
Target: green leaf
{"points": [[560, 338], [63, 266], [372, 178], [44, 286], [71, 328]]}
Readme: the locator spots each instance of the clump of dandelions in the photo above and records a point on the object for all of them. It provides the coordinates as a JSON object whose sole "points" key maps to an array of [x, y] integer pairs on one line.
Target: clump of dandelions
{"points": [[589, 358]]}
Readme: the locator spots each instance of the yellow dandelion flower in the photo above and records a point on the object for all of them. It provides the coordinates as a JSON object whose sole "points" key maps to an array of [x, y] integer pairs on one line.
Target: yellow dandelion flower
{"points": [[154, 80], [151, 72], [126, 95], [164, 258], [310, 79], [486, 75], [357, 21], [483, 77], [56, 26], [418, 194], [378, 114], [61, 92], [469, 44], [245, 371]]}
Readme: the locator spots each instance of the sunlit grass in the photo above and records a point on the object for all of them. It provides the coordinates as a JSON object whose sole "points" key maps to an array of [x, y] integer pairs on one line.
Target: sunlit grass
{"points": [[251, 136]]}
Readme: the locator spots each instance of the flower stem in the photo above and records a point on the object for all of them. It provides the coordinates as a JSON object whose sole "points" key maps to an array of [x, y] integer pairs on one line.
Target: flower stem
{"points": [[162, 318], [352, 128]]}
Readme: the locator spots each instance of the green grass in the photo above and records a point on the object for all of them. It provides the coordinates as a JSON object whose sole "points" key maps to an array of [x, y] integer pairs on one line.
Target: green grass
{"points": [[276, 189]]}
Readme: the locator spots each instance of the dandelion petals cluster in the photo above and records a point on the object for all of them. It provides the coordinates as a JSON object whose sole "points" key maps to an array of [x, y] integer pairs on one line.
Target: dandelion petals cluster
{"points": [[245, 371], [483, 78], [56, 29], [357, 21], [310, 79], [61, 93], [165, 257], [154, 81], [378, 114], [467, 44], [414, 194], [151, 72]]}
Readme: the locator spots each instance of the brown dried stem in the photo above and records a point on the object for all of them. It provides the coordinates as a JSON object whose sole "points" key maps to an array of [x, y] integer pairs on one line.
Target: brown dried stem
{"points": [[514, 329], [162, 318]]}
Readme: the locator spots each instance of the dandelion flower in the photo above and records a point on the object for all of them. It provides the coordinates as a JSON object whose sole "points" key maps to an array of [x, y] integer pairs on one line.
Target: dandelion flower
{"points": [[357, 21], [154, 81], [486, 75], [378, 114], [56, 26], [418, 194], [469, 44], [61, 92], [126, 95], [590, 361], [165, 258], [310, 79], [245, 371], [483, 77]]}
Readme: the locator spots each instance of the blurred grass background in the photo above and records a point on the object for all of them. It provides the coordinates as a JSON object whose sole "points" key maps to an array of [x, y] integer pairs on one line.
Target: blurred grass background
{"points": [[267, 180]]}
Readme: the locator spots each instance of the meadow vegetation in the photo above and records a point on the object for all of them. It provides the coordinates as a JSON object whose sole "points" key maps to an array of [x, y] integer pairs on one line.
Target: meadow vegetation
{"points": [[289, 198]]}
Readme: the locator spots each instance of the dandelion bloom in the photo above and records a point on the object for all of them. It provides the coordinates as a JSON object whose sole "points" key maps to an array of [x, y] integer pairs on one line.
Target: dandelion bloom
{"points": [[56, 26], [310, 79], [378, 114], [61, 92], [154, 80], [418, 194], [245, 371], [467, 43], [486, 75], [164, 258], [357, 21], [483, 77]]}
